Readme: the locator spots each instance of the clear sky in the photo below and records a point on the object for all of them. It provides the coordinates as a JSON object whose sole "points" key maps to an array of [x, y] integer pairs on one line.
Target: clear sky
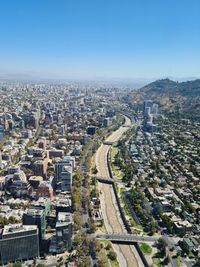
{"points": [[100, 38]]}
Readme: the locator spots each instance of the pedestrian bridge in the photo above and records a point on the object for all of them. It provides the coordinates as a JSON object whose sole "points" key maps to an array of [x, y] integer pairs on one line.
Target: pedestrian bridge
{"points": [[106, 180], [110, 143], [126, 238]]}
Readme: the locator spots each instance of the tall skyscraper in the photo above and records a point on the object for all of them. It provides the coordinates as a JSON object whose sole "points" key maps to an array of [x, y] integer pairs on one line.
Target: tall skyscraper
{"points": [[155, 109], [147, 104]]}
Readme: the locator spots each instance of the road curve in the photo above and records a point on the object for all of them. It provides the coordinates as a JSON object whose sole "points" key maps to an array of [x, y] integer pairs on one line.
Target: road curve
{"points": [[127, 255]]}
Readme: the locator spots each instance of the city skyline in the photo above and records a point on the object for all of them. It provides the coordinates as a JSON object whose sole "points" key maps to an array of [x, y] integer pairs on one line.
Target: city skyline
{"points": [[99, 40]]}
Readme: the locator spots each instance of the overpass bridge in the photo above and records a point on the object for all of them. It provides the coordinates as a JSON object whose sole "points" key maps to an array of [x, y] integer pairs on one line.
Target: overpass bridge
{"points": [[127, 238], [110, 143], [106, 180]]}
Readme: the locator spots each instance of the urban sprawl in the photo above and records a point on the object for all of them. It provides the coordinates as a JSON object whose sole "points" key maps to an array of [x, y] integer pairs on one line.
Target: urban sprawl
{"points": [[87, 180]]}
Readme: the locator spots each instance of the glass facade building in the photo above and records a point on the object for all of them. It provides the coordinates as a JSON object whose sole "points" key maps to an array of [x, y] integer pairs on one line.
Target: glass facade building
{"points": [[19, 242]]}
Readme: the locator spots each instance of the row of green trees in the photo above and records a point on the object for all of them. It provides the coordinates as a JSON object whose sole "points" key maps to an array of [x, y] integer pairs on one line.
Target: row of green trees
{"points": [[103, 253], [82, 249], [140, 205]]}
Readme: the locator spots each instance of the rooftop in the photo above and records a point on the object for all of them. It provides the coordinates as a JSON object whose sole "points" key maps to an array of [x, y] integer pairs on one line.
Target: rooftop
{"points": [[34, 212], [17, 228]]}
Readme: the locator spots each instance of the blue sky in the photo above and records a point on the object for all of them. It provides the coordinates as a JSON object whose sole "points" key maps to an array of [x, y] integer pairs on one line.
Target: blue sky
{"points": [[100, 38]]}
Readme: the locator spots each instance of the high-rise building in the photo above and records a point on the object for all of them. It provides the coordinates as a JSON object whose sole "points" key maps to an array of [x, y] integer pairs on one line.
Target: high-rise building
{"points": [[64, 232], [155, 109], [35, 216], [66, 178], [150, 110], [61, 163], [147, 104], [19, 242], [147, 111]]}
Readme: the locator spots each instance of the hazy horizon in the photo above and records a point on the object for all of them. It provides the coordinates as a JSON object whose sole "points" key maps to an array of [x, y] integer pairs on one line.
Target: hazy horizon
{"points": [[140, 81]]}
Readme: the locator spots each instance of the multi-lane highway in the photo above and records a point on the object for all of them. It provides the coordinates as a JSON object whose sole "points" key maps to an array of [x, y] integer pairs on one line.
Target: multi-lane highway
{"points": [[127, 255]]}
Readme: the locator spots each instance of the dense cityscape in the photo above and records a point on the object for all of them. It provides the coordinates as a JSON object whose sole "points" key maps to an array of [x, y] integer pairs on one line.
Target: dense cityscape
{"points": [[86, 180]]}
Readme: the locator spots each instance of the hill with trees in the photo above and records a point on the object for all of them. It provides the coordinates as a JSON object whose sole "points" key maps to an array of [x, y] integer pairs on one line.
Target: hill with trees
{"points": [[171, 96]]}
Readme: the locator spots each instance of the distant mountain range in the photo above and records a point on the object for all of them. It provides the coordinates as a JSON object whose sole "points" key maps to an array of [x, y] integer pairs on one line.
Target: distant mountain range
{"points": [[171, 95]]}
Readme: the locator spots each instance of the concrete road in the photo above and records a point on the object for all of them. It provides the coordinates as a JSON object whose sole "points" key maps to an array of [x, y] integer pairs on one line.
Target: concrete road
{"points": [[127, 255]]}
